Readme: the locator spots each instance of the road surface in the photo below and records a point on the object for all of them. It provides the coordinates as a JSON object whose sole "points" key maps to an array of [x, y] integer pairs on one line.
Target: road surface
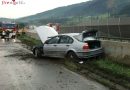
{"points": [[19, 70]]}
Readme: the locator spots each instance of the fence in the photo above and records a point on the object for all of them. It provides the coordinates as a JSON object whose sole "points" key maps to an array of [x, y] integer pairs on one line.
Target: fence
{"points": [[113, 28]]}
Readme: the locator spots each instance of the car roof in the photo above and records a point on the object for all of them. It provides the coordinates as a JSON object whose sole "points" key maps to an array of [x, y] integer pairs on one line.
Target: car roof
{"points": [[70, 34]]}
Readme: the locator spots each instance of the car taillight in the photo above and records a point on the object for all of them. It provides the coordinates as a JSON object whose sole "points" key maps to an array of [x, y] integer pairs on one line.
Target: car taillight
{"points": [[86, 46]]}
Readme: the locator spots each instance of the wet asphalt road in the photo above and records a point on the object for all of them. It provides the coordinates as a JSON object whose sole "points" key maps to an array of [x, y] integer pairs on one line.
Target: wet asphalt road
{"points": [[19, 70]]}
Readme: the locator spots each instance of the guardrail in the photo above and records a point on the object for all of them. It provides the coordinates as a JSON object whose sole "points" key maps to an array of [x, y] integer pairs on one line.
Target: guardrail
{"points": [[114, 38]]}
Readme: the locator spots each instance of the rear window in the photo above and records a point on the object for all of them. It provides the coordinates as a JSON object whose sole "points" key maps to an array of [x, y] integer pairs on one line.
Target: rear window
{"points": [[78, 37]]}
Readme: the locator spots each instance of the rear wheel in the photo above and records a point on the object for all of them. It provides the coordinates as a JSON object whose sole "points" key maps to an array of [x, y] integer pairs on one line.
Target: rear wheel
{"points": [[37, 53], [72, 56]]}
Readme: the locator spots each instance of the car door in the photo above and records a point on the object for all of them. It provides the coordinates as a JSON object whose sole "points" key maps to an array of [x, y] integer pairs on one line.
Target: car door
{"points": [[64, 43], [50, 47]]}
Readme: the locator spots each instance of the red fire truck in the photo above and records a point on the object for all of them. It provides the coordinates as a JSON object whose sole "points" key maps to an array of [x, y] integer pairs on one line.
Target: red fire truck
{"points": [[8, 30]]}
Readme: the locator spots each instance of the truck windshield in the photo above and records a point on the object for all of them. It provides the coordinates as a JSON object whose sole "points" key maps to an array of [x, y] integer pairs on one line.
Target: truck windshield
{"points": [[9, 25]]}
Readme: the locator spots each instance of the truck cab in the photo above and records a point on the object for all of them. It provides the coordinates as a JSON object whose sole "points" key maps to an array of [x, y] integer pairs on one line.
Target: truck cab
{"points": [[8, 30]]}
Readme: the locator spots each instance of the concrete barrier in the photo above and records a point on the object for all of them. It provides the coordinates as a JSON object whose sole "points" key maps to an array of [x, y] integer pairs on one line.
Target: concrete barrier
{"points": [[120, 51], [116, 48]]}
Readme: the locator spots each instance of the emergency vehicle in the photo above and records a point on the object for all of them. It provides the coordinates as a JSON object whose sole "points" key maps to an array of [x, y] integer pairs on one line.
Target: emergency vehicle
{"points": [[8, 30]]}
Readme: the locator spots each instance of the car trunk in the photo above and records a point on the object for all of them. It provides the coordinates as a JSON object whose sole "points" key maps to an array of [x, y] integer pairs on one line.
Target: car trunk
{"points": [[91, 33], [93, 44], [90, 38]]}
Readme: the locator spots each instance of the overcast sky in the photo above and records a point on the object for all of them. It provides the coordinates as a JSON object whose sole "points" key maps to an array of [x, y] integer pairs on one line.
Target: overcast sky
{"points": [[31, 7]]}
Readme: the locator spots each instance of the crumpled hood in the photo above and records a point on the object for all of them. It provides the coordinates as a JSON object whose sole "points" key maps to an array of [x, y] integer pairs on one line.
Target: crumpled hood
{"points": [[45, 31]]}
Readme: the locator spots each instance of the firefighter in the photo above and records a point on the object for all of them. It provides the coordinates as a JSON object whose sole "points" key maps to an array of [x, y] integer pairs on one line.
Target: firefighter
{"points": [[14, 35], [7, 35], [3, 35]]}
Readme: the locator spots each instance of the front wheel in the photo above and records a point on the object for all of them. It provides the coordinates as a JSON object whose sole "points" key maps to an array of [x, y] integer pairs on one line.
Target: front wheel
{"points": [[37, 53], [72, 56]]}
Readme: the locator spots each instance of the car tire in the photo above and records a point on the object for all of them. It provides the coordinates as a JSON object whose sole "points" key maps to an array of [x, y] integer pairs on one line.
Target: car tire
{"points": [[37, 53], [72, 56]]}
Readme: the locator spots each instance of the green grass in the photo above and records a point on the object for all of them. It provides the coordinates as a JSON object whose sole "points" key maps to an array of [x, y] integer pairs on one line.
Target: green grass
{"points": [[113, 67], [29, 40], [71, 65]]}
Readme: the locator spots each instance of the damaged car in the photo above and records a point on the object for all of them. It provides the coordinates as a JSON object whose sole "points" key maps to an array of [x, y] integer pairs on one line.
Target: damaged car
{"points": [[72, 46]]}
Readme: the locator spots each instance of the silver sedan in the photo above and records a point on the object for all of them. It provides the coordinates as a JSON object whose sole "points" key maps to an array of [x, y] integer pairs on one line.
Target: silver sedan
{"points": [[72, 45]]}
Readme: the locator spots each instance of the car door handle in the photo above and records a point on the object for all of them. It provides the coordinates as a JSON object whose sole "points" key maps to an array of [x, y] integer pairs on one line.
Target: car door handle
{"points": [[55, 45], [67, 45]]}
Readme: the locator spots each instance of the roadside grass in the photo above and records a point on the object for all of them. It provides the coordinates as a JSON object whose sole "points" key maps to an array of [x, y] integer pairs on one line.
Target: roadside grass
{"points": [[71, 65], [106, 65], [112, 67], [29, 40], [107, 72]]}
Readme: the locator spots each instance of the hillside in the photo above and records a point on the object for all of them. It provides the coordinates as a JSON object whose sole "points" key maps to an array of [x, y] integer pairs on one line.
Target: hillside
{"points": [[90, 8], [125, 11], [5, 19]]}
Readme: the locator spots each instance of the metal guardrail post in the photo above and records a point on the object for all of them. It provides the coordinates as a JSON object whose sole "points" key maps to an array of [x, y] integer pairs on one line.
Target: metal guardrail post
{"points": [[108, 27], [119, 28]]}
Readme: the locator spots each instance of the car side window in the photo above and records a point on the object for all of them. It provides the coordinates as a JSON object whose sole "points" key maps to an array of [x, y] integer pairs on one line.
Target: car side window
{"points": [[70, 40], [54, 40], [65, 40]]}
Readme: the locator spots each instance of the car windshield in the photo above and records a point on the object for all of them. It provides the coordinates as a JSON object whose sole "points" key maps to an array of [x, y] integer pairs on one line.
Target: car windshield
{"points": [[9, 25]]}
